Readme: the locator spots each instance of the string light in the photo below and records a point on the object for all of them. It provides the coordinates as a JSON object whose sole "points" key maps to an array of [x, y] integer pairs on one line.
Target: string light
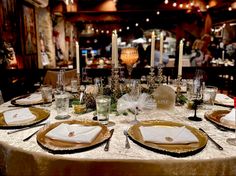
{"points": [[175, 4]]}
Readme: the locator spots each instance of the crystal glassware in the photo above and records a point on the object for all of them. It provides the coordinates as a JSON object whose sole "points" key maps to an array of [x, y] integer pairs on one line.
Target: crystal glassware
{"points": [[195, 94], [129, 56]]}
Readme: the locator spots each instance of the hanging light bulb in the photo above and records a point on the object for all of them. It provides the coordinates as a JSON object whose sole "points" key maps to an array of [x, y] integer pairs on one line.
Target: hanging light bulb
{"points": [[136, 24], [166, 2], [230, 8], [158, 12], [181, 5], [147, 19], [174, 4]]}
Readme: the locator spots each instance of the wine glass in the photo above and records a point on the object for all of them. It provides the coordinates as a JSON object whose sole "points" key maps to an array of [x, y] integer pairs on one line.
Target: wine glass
{"points": [[129, 56], [134, 93], [195, 94]]}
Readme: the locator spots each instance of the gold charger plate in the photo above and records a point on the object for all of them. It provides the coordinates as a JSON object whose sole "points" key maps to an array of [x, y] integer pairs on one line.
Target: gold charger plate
{"points": [[177, 150], [215, 116], [40, 114], [61, 147], [15, 103]]}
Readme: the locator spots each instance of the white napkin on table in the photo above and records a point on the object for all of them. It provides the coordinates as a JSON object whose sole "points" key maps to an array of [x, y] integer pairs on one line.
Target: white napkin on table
{"points": [[167, 135], [229, 118], [224, 99], [33, 98], [74, 133], [18, 116]]}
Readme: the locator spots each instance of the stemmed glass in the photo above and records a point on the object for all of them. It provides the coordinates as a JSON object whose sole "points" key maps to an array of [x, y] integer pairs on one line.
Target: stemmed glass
{"points": [[195, 94], [129, 56], [134, 93]]}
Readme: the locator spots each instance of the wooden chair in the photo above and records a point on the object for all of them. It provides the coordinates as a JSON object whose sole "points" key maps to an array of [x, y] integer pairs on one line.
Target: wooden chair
{"points": [[51, 77]]}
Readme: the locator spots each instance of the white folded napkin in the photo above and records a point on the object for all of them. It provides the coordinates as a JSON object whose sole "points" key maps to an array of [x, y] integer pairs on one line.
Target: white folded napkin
{"points": [[74, 133], [18, 116], [33, 98], [224, 99], [167, 135], [229, 118]]}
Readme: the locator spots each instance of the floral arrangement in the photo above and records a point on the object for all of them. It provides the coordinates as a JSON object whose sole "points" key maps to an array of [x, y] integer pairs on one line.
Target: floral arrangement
{"points": [[6, 53]]}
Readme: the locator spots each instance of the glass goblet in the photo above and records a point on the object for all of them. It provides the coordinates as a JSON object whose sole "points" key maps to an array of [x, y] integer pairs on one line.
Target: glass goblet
{"points": [[195, 95], [129, 56], [134, 93]]}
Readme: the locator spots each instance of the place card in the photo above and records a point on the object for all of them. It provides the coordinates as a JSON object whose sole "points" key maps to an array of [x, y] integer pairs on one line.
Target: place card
{"points": [[164, 96]]}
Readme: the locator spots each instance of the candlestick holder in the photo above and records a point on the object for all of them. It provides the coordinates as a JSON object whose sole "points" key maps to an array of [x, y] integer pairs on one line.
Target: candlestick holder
{"points": [[160, 76], [178, 91], [78, 81], [152, 79], [116, 85], [112, 76]]}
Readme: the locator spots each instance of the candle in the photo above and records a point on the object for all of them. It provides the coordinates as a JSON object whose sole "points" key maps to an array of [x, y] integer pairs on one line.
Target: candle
{"points": [[161, 48], [180, 58], [152, 49], [114, 50], [77, 57], [223, 55]]}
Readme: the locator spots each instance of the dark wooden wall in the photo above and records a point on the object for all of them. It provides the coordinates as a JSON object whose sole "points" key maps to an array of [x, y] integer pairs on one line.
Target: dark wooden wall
{"points": [[12, 31]]}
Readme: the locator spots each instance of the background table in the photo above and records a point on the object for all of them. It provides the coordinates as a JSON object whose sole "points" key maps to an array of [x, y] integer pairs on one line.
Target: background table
{"points": [[28, 158]]}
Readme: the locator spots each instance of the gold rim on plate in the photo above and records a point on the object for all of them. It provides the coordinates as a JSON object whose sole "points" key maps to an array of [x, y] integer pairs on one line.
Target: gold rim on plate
{"points": [[215, 117], [15, 103], [41, 115], [176, 150], [62, 147]]}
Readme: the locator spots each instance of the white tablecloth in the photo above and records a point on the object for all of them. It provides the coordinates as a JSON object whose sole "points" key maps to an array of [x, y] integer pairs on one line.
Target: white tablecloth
{"points": [[28, 158]]}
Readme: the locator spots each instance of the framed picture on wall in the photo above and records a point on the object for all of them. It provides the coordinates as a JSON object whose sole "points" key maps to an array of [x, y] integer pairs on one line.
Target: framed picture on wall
{"points": [[29, 32], [219, 33]]}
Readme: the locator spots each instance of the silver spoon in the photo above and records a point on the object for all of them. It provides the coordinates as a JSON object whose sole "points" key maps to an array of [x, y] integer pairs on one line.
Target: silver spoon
{"points": [[127, 145]]}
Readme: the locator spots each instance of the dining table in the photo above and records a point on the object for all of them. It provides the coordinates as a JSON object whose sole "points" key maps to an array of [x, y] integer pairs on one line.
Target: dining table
{"points": [[18, 157]]}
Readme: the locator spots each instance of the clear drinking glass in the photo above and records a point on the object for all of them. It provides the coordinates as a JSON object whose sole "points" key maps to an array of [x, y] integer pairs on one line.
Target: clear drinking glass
{"points": [[209, 95], [74, 85], [62, 105], [46, 92], [103, 105]]}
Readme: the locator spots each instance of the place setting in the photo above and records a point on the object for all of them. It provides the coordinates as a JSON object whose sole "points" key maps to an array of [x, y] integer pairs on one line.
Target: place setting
{"points": [[43, 97], [169, 138], [73, 136], [22, 117]]}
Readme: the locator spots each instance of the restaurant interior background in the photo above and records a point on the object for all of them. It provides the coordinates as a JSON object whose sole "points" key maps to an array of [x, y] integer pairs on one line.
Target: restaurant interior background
{"points": [[37, 35]]}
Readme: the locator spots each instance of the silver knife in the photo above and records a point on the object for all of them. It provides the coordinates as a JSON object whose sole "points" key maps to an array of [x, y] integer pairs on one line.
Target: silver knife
{"points": [[106, 148], [212, 140]]}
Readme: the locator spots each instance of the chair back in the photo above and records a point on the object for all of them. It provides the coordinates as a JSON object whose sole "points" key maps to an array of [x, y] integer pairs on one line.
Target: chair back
{"points": [[51, 77]]}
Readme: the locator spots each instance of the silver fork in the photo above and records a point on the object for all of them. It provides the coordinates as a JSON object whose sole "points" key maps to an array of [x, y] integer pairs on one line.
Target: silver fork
{"points": [[127, 145]]}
